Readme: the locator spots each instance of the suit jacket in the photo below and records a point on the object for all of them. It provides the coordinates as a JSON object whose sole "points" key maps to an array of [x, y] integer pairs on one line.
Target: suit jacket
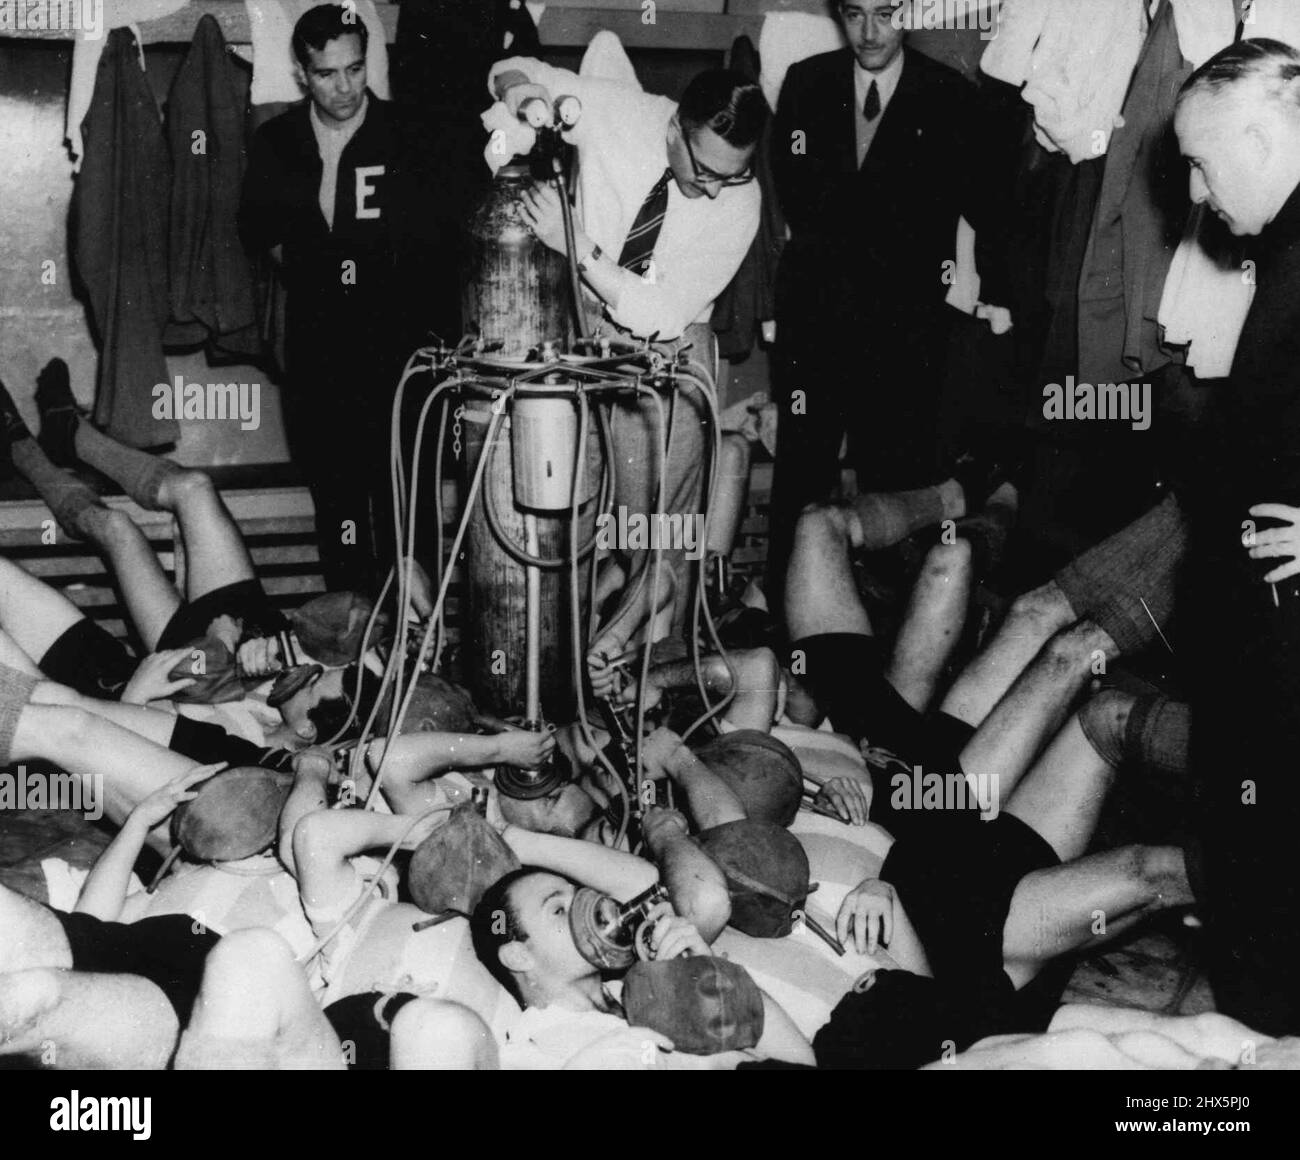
{"points": [[879, 235]]}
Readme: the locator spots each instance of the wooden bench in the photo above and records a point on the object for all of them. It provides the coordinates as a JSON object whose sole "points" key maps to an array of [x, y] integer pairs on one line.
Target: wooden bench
{"points": [[277, 524]]}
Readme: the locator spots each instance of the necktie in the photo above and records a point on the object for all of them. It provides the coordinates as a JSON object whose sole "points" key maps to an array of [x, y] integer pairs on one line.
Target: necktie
{"points": [[639, 248], [871, 106]]}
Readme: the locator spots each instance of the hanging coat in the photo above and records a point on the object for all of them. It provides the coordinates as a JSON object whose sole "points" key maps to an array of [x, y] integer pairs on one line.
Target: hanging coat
{"points": [[211, 277], [118, 226]]}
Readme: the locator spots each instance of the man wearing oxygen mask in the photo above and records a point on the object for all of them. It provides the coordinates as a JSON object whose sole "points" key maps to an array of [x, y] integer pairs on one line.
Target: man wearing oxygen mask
{"points": [[668, 209]]}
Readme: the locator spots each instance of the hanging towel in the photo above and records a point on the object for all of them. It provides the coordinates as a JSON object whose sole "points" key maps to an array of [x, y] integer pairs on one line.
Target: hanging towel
{"points": [[606, 59], [211, 279], [271, 23], [1205, 27], [1207, 297], [118, 226], [789, 37], [1074, 61], [86, 52], [1274, 20]]}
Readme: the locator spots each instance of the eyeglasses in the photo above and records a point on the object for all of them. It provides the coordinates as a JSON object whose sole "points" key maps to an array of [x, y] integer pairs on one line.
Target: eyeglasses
{"points": [[707, 176]]}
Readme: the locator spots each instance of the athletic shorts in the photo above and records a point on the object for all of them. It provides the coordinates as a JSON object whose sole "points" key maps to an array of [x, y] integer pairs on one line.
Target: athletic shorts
{"points": [[245, 601], [957, 890], [167, 950], [363, 1024], [91, 660], [844, 673], [208, 744], [1109, 582]]}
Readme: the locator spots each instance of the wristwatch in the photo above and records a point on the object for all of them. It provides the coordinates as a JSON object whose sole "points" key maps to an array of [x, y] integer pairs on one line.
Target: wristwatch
{"points": [[594, 256]]}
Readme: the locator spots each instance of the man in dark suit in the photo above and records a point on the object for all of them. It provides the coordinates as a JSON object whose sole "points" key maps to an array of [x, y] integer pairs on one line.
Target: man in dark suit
{"points": [[1238, 122], [875, 161]]}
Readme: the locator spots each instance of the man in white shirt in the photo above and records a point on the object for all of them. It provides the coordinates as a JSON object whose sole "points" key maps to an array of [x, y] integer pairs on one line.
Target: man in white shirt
{"points": [[668, 209]]}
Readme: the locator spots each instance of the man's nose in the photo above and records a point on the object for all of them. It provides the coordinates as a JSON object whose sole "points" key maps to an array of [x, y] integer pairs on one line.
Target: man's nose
{"points": [[1200, 192]]}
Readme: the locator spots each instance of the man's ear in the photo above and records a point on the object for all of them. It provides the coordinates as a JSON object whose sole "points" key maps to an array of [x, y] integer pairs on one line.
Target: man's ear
{"points": [[300, 75], [1261, 142], [515, 956]]}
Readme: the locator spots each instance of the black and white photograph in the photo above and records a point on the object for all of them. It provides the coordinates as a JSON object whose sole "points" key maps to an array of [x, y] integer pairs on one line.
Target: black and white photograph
{"points": [[650, 535]]}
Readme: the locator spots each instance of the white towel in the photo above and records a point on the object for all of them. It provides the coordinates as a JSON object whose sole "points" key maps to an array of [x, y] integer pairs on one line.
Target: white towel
{"points": [[1205, 303], [1205, 27], [606, 59], [271, 23], [1075, 62], [86, 52], [1274, 20], [786, 39]]}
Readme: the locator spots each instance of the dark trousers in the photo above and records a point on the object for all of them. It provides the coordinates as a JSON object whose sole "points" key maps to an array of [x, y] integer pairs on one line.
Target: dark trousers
{"points": [[1246, 738], [338, 435], [865, 374]]}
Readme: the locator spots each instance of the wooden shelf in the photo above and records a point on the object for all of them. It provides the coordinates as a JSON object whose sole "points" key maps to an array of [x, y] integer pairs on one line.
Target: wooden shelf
{"points": [[561, 27]]}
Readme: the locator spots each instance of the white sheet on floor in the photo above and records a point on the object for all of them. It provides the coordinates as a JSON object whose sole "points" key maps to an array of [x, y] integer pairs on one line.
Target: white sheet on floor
{"points": [[1075, 62]]}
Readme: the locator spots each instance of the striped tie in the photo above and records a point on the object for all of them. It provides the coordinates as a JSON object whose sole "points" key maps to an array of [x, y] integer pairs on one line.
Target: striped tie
{"points": [[639, 249]]}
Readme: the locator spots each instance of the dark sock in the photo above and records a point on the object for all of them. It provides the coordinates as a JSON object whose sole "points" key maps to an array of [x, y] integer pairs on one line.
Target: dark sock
{"points": [[11, 420], [59, 414], [139, 473]]}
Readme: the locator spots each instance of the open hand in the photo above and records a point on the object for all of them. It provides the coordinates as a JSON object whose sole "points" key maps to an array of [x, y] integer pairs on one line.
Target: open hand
{"points": [[153, 680], [1278, 542], [868, 913], [160, 804]]}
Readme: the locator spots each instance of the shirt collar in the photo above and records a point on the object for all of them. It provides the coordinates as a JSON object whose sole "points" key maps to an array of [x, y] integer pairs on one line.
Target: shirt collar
{"points": [[887, 79]]}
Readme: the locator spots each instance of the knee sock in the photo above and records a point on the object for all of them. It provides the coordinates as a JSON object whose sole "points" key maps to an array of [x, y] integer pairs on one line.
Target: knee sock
{"points": [[890, 517], [15, 691], [74, 503], [140, 474]]}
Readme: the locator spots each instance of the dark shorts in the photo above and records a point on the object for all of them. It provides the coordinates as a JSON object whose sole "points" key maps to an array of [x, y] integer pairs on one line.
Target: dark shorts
{"points": [[1108, 583], [844, 672], [91, 660], [957, 890], [362, 1023], [245, 601], [209, 744], [166, 950]]}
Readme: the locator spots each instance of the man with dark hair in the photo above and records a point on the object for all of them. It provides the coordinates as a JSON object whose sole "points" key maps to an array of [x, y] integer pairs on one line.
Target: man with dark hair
{"points": [[669, 207], [1238, 123], [572, 1016], [876, 158], [339, 198]]}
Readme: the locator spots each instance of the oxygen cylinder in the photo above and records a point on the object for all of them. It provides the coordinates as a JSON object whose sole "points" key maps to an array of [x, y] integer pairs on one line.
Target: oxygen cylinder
{"points": [[516, 293]]}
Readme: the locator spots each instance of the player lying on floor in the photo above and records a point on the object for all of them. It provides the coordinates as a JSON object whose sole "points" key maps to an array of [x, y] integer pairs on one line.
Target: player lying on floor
{"points": [[212, 644]]}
